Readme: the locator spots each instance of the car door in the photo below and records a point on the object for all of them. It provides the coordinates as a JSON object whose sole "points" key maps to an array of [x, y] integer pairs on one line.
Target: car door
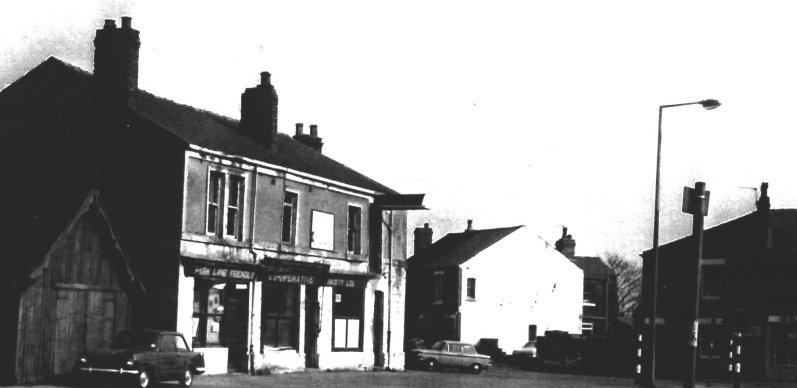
{"points": [[458, 358], [183, 354], [167, 357]]}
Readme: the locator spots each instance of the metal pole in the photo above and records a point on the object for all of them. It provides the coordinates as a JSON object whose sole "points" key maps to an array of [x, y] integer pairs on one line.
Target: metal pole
{"points": [[650, 376], [697, 233]]}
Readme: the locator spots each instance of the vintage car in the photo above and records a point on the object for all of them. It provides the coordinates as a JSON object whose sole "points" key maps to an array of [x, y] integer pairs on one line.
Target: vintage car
{"points": [[527, 355], [450, 354], [142, 357]]}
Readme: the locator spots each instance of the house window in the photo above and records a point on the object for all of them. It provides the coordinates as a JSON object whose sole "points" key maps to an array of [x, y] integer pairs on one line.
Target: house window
{"points": [[208, 313], [215, 194], [289, 217], [437, 289], [235, 202], [471, 288], [280, 325], [784, 342], [355, 225], [322, 233], [347, 318], [711, 280], [225, 208]]}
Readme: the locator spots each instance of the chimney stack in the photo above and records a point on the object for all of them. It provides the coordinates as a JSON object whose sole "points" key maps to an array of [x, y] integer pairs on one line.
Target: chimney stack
{"points": [[470, 226], [763, 201], [259, 111], [311, 140], [423, 238], [116, 56], [566, 245]]}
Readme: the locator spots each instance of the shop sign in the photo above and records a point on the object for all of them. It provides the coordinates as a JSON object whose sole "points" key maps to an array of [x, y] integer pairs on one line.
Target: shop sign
{"points": [[350, 283], [223, 273], [291, 278], [316, 280]]}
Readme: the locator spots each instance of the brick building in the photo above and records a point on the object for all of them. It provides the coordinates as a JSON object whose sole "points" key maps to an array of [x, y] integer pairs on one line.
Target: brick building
{"points": [[748, 285], [254, 244]]}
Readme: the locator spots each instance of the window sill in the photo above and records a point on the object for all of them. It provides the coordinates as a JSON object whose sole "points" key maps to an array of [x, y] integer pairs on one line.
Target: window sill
{"points": [[347, 350], [470, 299]]}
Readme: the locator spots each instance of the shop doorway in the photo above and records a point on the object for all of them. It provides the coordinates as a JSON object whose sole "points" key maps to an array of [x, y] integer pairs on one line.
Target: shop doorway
{"points": [[311, 326], [379, 308], [234, 325]]}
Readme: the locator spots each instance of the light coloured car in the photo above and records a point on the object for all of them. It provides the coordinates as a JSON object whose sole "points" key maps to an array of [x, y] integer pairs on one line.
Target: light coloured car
{"points": [[450, 354]]}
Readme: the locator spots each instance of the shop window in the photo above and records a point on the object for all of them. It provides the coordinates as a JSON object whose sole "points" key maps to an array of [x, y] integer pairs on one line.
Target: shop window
{"points": [[289, 207], [323, 230], [225, 214], [280, 326], [784, 342], [472, 288], [347, 319], [355, 225], [208, 313]]}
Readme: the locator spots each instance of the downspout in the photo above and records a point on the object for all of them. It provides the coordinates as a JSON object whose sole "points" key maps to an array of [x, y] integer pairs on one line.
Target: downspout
{"points": [[389, 280], [252, 200]]}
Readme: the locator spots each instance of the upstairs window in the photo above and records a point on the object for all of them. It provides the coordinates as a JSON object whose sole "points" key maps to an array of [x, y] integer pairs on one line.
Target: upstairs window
{"points": [[289, 217], [437, 288], [215, 194], [323, 231], [355, 225], [471, 288], [235, 202], [225, 204]]}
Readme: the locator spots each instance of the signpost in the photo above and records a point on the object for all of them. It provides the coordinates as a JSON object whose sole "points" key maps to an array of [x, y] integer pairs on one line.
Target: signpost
{"points": [[696, 204]]}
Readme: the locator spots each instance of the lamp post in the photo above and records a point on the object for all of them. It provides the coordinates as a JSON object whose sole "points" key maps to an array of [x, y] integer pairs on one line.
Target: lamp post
{"points": [[708, 105]]}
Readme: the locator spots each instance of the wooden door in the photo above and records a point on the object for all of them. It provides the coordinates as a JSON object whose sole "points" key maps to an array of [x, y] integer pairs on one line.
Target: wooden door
{"points": [[70, 329]]}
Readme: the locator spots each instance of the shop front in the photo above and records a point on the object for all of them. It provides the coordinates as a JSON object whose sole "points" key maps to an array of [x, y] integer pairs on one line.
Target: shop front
{"points": [[218, 318]]}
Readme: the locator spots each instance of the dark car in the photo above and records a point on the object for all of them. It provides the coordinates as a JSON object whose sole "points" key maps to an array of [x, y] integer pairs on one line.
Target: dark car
{"points": [[452, 354], [526, 356], [142, 357]]}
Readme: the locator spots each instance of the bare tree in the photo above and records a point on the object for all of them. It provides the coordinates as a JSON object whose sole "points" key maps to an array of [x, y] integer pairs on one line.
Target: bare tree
{"points": [[629, 282]]}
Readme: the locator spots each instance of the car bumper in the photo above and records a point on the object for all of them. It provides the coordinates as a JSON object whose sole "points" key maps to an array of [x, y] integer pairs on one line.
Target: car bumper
{"points": [[108, 371], [199, 370]]}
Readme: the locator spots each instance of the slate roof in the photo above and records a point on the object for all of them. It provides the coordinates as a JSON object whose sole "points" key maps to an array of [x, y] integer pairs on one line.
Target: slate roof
{"points": [[593, 267], [220, 133], [743, 237], [457, 248]]}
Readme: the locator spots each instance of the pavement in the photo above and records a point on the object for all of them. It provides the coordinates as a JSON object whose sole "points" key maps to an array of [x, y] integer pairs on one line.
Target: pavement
{"points": [[494, 378]]}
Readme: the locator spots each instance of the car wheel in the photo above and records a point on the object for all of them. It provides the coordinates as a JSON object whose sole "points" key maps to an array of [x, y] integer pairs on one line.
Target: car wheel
{"points": [[188, 379], [476, 369], [143, 379], [430, 364]]}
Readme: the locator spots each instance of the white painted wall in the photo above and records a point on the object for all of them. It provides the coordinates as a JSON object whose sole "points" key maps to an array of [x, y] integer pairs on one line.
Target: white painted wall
{"points": [[520, 281]]}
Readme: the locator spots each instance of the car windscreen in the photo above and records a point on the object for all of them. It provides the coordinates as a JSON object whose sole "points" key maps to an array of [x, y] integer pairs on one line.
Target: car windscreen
{"points": [[134, 340], [438, 345]]}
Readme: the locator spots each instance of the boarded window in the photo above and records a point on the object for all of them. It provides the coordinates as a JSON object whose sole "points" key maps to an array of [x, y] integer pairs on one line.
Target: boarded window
{"points": [[323, 231]]}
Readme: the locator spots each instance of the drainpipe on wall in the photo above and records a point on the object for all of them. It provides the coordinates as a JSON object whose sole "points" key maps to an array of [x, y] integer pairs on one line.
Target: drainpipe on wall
{"points": [[389, 280], [252, 283]]}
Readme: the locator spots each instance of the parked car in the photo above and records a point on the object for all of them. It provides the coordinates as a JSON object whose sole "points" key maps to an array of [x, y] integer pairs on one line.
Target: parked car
{"points": [[451, 354], [142, 357], [489, 346], [527, 355]]}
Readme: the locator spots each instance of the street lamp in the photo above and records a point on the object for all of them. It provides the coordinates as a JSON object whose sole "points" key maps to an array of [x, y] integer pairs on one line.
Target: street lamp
{"points": [[708, 105]]}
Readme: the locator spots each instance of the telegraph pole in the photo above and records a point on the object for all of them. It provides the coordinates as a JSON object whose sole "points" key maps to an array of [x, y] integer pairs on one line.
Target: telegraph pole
{"points": [[695, 203]]}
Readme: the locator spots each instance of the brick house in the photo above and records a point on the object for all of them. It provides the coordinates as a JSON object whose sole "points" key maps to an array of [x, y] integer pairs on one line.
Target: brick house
{"points": [[258, 247], [748, 285]]}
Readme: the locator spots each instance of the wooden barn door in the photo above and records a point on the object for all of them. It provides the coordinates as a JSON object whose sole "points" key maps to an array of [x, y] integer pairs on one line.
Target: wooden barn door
{"points": [[70, 329]]}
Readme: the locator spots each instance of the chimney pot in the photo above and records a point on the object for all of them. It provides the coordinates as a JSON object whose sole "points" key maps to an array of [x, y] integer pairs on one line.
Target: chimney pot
{"points": [[313, 130], [265, 78], [126, 22], [426, 225], [299, 129], [470, 226], [109, 24]]}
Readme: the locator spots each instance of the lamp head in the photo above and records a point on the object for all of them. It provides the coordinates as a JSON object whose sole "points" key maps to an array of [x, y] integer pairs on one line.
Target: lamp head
{"points": [[710, 104]]}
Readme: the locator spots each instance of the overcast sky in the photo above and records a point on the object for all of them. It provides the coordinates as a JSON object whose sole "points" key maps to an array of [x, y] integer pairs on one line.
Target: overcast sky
{"points": [[535, 113]]}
